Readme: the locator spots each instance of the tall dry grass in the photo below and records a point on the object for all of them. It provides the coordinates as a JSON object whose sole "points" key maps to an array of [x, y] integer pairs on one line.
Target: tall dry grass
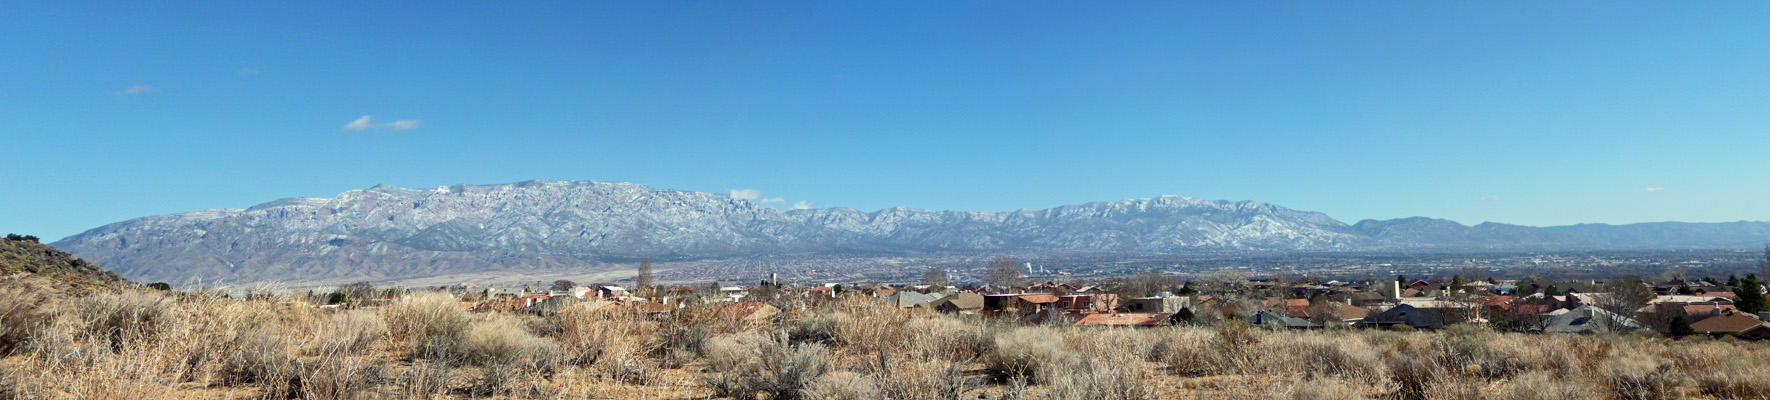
{"points": [[126, 345]]}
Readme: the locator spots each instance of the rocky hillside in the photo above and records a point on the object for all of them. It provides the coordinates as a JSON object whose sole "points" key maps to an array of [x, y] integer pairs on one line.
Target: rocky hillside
{"points": [[27, 258], [390, 232]]}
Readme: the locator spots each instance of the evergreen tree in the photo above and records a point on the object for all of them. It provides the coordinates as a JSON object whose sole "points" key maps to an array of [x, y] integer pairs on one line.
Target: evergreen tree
{"points": [[1182, 316], [1551, 291], [1751, 295], [1732, 280], [1187, 290], [1681, 326]]}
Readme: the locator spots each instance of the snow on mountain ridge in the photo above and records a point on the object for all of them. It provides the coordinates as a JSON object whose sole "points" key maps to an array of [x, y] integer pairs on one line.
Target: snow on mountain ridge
{"points": [[387, 231]]}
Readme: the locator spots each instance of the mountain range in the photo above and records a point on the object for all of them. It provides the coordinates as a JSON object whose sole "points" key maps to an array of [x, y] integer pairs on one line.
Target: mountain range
{"points": [[387, 232]]}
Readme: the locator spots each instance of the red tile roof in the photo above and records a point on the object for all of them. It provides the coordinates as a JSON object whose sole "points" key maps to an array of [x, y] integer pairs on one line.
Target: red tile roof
{"points": [[1534, 309], [1287, 304], [1123, 319]]}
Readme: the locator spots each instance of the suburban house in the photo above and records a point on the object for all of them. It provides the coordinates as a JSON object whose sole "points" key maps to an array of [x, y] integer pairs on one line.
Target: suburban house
{"points": [[1088, 303], [1590, 319], [1269, 319], [1404, 314], [906, 299], [1024, 303], [1733, 322], [1162, 304], [962, 303], [1333, 311], [1284, 306]]}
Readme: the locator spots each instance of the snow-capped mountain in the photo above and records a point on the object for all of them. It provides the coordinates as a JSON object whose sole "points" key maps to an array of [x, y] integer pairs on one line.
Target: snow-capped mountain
{"points": [[389, 232]]}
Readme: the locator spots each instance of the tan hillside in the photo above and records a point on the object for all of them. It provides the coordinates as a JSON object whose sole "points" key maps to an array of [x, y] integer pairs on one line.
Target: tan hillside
{"points": [[40, 260]]}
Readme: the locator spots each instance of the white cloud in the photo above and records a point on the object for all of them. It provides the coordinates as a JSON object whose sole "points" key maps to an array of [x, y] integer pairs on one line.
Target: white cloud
{"points": [[1656, 189], [746, 194], [360, 123], [135, 90], [802, 205], [772, 200], [403, 124], [1491, 197], [368, 122]]}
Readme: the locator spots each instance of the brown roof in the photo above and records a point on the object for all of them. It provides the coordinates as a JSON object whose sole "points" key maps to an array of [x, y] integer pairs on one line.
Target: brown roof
{"points": [[883, 291], [1340, 311], [649, 307], [961, 301], [1039, 298], [1285, 304], [1123, 319], [1726, 323], [1707, 309]]}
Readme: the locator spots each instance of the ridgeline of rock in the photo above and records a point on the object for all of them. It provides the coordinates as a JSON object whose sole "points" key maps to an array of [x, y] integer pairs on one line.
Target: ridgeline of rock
{"points": [[390, 232], [29, 259]]}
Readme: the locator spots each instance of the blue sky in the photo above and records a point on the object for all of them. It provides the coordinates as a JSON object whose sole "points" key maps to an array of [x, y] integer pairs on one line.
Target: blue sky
{"points": [[1494, 111]]}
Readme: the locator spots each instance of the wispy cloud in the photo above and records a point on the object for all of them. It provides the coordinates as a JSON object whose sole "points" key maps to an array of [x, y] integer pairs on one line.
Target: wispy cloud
{"points": [[1656, 189], [360, 123], [1491, 197], [368, 122], [404, 124], [135, 90], [772, 200], [746, 194], [802, 205]]}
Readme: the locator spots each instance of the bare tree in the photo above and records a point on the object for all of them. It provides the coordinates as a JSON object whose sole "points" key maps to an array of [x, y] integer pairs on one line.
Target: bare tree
{"points": [[1674, 274], [1623, 296], [707, 292], [643, 282], [1765, 270], [563, 285], [1147, 283], [935, 276], [1224, 282], [1004, 272]]}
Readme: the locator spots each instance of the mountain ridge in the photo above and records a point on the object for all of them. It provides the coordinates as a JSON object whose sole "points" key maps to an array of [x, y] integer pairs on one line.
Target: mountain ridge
{"points": [[387, 231]]}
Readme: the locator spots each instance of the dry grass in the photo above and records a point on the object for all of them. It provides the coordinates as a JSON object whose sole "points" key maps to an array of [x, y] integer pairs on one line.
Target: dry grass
{"points": [[128, 345]]}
